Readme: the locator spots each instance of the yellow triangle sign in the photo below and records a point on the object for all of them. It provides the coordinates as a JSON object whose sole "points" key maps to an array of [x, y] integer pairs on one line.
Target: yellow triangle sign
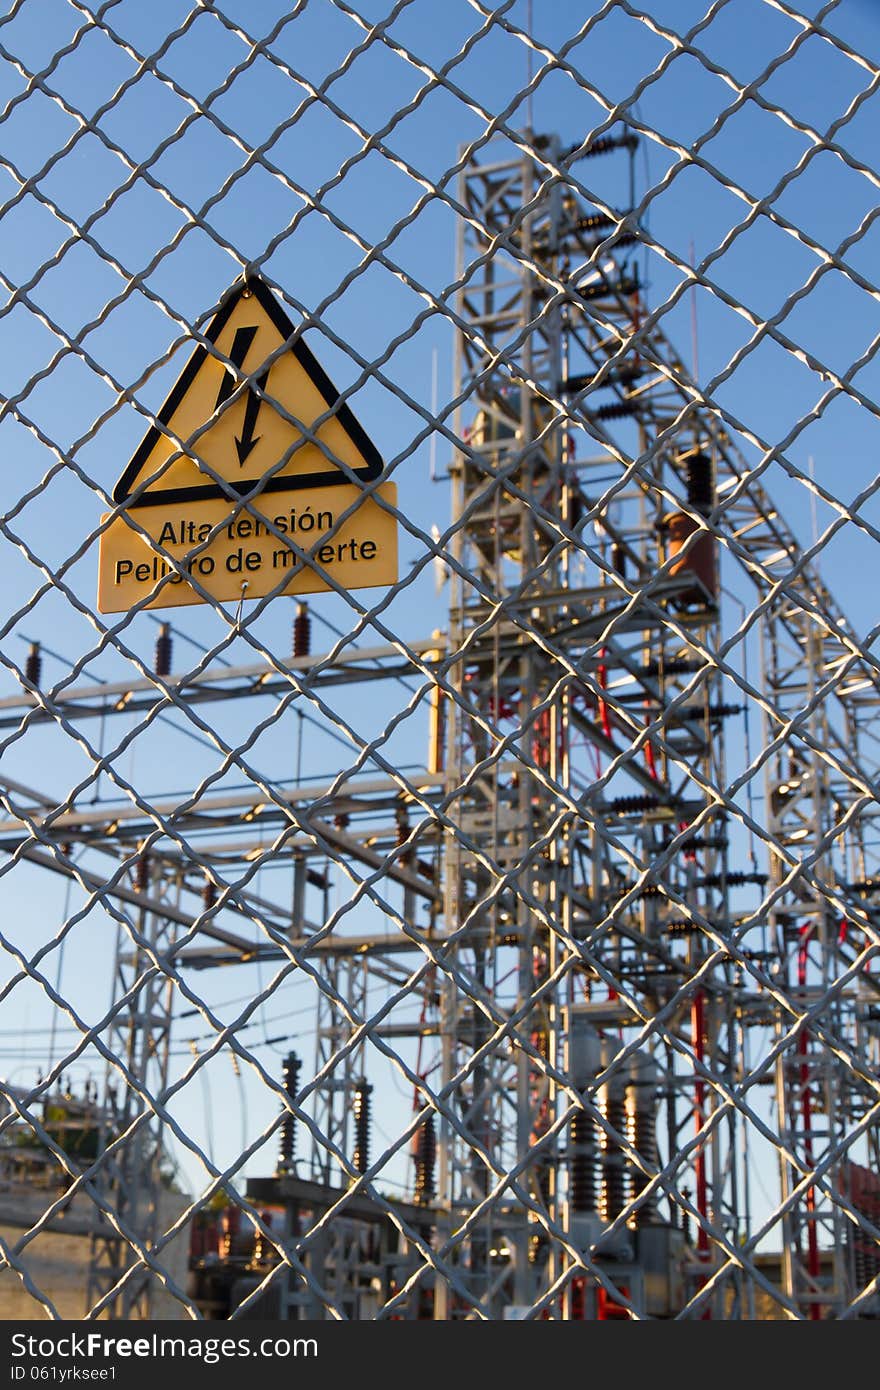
{"points": [[248, 436], [182, 535]]}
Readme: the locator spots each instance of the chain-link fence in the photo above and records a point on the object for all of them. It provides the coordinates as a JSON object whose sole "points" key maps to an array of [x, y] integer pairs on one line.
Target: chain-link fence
{"points": [[439, 743]]}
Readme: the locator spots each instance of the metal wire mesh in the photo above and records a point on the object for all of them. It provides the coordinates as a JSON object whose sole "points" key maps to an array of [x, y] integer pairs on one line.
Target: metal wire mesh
{"points": [[548, 870]]}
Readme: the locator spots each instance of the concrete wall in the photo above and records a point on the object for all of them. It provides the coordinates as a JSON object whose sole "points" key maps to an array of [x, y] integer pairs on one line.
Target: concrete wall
{"points": [[57, 1259]]}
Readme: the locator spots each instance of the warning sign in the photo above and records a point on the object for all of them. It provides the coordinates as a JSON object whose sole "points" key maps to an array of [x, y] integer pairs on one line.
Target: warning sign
{"points": [[248, 553], [247, 437], [248, 420]]}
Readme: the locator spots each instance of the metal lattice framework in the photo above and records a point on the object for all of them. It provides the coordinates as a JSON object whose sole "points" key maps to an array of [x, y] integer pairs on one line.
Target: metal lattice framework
{"points": [[556, 865]]}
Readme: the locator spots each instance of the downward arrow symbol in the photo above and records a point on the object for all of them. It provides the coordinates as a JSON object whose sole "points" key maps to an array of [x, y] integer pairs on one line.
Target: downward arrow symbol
{"points": [[238, 352], [248, 439]]}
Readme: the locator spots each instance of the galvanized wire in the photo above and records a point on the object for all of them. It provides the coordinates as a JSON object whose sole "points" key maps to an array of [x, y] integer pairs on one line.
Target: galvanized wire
{"points": [[787, 583]]}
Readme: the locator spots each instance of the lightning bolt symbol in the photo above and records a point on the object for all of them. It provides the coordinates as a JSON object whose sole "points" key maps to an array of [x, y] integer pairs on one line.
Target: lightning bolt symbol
{"points": [[241, 344]]}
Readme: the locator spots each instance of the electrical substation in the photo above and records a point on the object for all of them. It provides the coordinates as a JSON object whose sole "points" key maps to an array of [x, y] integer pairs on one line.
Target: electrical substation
{"points": [[593, 1022]]}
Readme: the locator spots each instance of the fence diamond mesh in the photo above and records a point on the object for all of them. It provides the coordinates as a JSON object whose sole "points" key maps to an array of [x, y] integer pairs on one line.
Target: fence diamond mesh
{"points": [[438, 798]]}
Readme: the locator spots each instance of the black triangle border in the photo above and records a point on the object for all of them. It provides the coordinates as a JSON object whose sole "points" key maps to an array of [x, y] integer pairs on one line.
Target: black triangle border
{"points": [[331, 477]]}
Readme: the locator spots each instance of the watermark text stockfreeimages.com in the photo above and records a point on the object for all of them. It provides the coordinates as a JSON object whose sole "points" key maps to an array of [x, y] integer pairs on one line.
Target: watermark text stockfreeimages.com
{"points": [[98, 1345]]}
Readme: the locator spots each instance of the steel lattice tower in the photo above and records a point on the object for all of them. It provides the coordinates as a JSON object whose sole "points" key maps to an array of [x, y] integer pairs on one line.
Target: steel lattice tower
{"points": [[548, 853]]}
